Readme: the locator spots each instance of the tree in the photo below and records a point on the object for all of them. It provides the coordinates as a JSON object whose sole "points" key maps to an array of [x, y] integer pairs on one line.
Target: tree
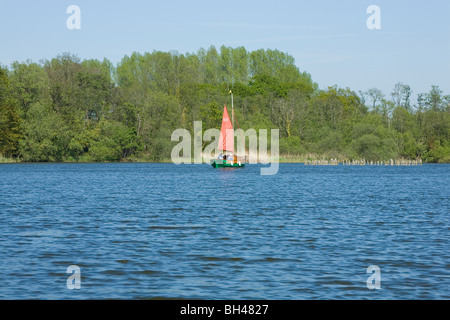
{"points": [[211, 66], [401, 95], [113, 141], [434, 99], [29, 84], [68, 109], [46, 136], [375, 95], [10, 121]]}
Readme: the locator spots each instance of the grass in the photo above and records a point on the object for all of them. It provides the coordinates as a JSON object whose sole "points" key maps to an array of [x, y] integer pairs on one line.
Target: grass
{"points": [[303, 158], [294, 158], [146, 158], [8, 160]]}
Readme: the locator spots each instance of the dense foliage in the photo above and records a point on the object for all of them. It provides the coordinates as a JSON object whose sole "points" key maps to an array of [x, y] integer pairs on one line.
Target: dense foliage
{"points": [[72, 110]]}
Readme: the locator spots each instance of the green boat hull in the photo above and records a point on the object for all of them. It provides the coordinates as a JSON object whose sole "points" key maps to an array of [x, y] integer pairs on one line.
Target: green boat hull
{"points": [[226, 164]]}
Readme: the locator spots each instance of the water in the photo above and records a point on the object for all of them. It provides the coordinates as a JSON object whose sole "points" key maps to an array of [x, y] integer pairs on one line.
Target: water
{"points": [[145, 231]]}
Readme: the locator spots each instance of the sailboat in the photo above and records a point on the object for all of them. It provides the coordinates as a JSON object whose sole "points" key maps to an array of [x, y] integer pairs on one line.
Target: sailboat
{"points": [[226, 142]]}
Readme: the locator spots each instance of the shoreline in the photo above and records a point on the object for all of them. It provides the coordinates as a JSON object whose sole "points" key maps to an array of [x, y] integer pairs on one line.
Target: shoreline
{"points": [[307, 159], [316, 162]]}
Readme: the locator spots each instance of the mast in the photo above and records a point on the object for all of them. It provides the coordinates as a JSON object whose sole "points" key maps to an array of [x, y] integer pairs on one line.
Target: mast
{"points": [[232, 115], [232, 109]]}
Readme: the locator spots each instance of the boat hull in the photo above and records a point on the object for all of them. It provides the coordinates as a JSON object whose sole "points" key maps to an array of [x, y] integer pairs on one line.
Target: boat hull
{"points": [[226, 164]]}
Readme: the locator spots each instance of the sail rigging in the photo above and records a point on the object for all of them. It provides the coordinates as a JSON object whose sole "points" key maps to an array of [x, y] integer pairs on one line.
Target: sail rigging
{"points": [[226, 138], [226, 142]]}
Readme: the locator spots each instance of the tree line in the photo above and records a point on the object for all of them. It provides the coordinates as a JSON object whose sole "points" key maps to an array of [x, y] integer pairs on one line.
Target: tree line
{"points": [[68, 109]]}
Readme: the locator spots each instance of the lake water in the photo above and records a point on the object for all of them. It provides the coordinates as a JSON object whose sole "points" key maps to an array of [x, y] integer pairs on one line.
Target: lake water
{"points": [[145, 231]]}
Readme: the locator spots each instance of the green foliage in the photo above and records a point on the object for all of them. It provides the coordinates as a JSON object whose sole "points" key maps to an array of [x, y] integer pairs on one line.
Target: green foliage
{"points": [[46, 137], [211, 115], [440, 153], [66, 109], [291, 145], [112, 141], [10, 131]]}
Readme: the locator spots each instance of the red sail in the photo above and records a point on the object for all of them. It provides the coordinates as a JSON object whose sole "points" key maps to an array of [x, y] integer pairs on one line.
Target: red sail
{"points": [[226, 140]]}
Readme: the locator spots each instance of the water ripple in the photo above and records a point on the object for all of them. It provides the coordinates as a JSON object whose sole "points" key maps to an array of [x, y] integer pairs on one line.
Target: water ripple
{"points": [[160, 231]]}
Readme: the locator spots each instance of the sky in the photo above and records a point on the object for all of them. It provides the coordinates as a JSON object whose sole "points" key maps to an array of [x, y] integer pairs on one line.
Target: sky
{"points": [[328, 39]]}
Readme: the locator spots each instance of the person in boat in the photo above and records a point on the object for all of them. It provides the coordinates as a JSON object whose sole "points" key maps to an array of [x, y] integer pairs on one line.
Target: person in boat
{"points": [[220, 157]]}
